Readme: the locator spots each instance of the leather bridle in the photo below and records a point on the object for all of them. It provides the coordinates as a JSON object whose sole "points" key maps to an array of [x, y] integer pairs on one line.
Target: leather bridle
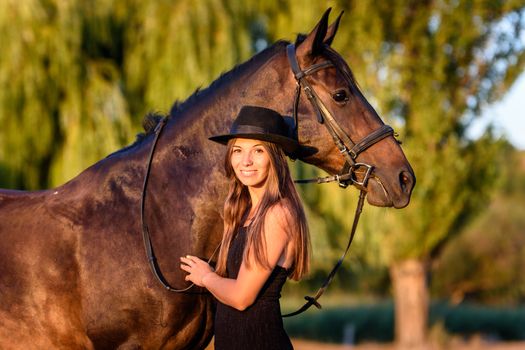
{"points": [[349, 149]]}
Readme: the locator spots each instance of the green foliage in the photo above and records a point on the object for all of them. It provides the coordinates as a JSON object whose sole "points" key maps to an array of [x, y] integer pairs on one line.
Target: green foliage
{"points": [[77, 76], [491, 249], [61, 105], [439, 78]]}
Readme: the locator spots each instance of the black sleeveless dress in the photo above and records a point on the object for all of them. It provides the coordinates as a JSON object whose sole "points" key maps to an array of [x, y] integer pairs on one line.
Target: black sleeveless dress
{"points": [[260, 326]]}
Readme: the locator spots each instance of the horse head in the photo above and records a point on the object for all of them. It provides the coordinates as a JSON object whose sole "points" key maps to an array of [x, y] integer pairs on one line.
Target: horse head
{"points": [[331, 107]]}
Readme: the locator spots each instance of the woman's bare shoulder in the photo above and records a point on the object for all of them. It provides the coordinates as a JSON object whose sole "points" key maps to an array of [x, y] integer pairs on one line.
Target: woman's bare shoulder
{"points": [[279, 216]]}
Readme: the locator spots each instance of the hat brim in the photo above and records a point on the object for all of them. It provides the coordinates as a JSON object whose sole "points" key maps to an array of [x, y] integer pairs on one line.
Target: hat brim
{"points": [[289, 145]]}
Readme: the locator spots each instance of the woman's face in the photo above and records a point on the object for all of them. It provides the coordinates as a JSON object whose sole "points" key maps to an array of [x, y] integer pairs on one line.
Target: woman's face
{"points": [[251, 162]]}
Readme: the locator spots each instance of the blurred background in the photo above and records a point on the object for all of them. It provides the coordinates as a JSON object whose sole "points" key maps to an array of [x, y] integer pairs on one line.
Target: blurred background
{"points": [[77, 77]]}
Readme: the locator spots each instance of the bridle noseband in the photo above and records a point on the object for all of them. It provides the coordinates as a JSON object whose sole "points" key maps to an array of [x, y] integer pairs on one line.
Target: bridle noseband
{"points": [[349, 149]]}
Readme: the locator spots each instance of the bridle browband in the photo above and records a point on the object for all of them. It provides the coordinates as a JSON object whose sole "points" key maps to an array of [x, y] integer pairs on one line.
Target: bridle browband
{"points": [[349, 149]]}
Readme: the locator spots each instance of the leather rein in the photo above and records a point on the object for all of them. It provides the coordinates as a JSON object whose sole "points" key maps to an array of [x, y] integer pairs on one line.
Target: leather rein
{"points": [[349, 149]]}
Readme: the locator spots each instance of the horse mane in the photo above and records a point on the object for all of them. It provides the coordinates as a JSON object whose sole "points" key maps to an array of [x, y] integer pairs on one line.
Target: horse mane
{"points": [[225, 77], [149, 123]]}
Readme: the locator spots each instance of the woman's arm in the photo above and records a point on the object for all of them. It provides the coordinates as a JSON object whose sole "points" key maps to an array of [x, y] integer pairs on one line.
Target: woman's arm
{"points": [[242, 291]]}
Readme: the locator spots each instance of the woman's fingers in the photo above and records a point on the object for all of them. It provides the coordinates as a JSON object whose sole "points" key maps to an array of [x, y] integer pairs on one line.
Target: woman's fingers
{"points": [[191, 260], [195, 267], [186, 260]]}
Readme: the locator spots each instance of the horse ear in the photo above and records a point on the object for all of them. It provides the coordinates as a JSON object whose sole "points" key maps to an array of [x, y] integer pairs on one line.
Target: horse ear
{"points": [[332, 30], [314, 41]]}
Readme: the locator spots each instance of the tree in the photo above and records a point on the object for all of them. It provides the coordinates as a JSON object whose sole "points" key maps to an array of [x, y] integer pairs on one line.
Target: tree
{"points": [[492, 248], [54, 92]]}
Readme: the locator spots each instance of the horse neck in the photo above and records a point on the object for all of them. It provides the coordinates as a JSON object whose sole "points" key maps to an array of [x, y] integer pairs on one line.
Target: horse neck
{"points": [[211, 112]]}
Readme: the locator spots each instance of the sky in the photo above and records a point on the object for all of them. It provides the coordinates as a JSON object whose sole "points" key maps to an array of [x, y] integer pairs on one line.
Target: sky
{"points": [[507, 116]]}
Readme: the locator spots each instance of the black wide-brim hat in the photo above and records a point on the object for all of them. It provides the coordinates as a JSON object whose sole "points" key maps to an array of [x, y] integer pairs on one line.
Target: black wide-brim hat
{"points": [[263, 124]]}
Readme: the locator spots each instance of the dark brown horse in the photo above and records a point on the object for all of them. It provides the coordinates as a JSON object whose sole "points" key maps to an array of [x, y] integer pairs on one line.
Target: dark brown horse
{"points": [[73, 272]]}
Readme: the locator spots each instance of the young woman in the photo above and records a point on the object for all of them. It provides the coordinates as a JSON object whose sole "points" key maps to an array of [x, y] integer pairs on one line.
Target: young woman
{"points": [[265, 237]]}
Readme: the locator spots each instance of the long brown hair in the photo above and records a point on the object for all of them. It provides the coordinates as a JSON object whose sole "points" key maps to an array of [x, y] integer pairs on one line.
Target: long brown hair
{"points": [[280, 189]]}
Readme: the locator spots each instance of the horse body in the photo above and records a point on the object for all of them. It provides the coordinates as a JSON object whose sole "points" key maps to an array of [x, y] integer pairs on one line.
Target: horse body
{"points": [[38, 270], [73, 272]]}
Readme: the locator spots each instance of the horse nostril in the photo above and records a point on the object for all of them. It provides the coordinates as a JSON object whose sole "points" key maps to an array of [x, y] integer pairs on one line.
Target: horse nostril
{"points": [[405, 180]]}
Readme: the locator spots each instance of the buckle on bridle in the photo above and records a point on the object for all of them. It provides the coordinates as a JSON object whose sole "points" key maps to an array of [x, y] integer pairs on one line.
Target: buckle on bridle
{"points": [[343, 180], [362, 185]]}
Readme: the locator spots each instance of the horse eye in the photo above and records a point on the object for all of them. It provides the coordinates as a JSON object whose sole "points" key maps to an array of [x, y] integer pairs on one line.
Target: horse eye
{"points": [[340, 96]]}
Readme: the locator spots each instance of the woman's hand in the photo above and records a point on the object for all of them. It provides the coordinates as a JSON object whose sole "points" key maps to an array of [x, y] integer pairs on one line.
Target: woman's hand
{"points": [[196, 269]]}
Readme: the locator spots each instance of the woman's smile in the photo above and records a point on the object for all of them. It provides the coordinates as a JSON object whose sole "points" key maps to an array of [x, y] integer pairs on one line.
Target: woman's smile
{"points": [[251, 162]]}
